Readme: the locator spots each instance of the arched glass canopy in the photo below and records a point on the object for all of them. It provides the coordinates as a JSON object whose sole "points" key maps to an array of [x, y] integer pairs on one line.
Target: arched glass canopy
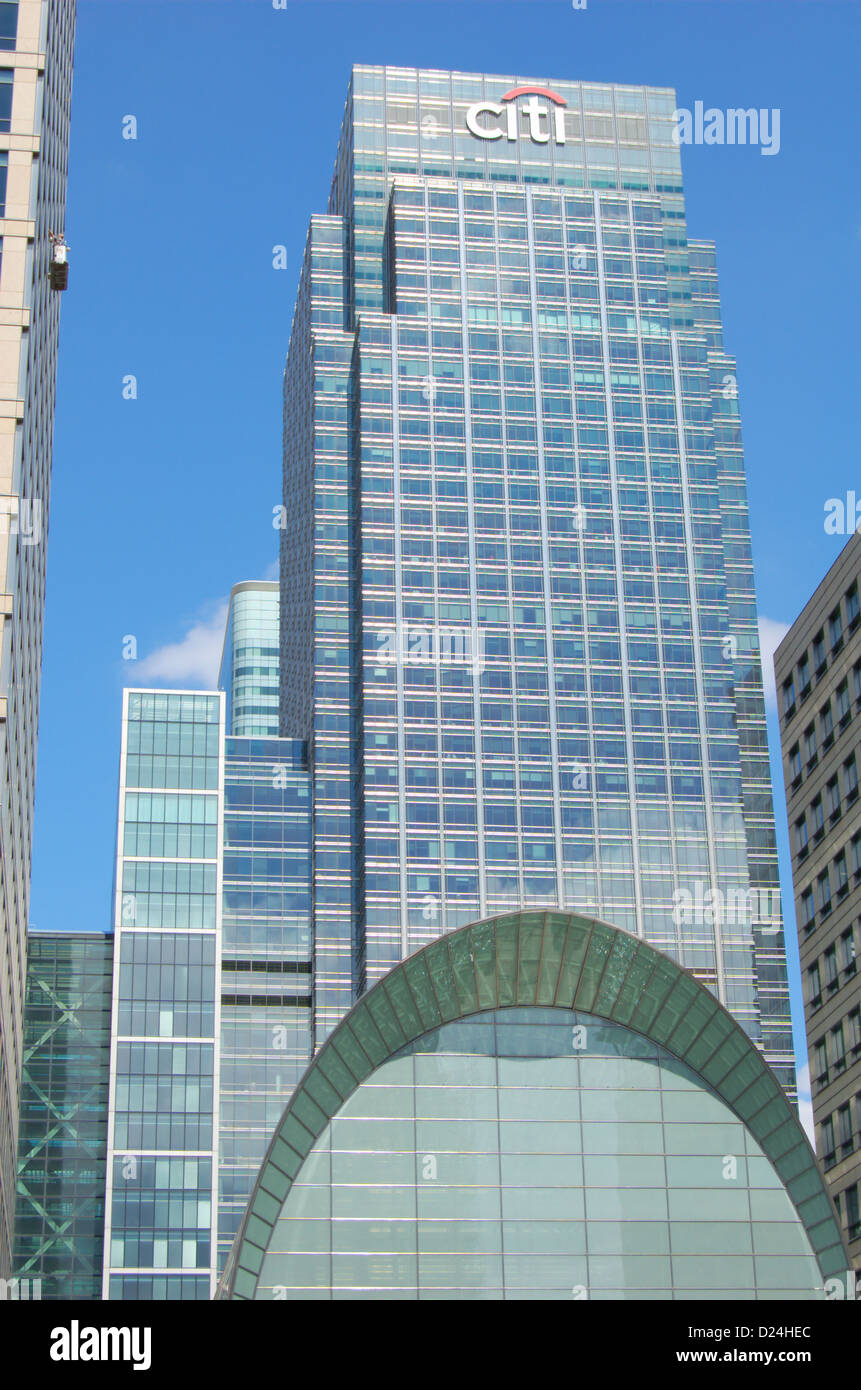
{"points": [[537, 971]]}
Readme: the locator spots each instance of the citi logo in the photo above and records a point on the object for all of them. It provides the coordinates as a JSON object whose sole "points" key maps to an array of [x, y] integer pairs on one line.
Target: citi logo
{"points": [[542, 115]]}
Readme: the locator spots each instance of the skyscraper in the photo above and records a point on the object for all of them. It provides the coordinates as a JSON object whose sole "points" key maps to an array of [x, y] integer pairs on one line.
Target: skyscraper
{"points": [[36, 50], [162, 1191], [518, 619], [212, 999], [265, 1037]]}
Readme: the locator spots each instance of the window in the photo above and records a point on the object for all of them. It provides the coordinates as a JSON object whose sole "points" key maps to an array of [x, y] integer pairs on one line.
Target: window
{"points": [[856, 681], [841, 874], [6, 77], [807, 909], [852, 1211], [794, 763], [820, 1062], [814, 987], [800, 836], [835, 630], [804, 675], [823, 889], [845, 1140], [818, 816], [4, 171], [810, 745], [841, 698], [826, 1141], [8, 23], [838, 1047], [829, 960], [853, 1026], [832, 799], [788, 695], [819, 652], [852, 605], [850, 778], [847, 952], [826, 725]]}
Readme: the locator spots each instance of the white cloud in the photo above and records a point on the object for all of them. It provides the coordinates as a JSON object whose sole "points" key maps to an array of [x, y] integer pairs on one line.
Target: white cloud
{"points": [[805, 1105], [771, 634], [193, 662]]}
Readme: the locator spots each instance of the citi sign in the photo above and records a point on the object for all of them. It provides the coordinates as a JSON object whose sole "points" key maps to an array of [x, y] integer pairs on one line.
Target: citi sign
{"points": [[543, 114]]}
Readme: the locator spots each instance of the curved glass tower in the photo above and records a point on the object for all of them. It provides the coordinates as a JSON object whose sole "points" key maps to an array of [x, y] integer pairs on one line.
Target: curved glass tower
{"points": [[538, 1106], [249, 662]]}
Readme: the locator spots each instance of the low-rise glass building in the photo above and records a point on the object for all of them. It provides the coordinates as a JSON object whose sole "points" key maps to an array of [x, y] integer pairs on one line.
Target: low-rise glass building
{"points": [[538, 1106], [63, 1129]]}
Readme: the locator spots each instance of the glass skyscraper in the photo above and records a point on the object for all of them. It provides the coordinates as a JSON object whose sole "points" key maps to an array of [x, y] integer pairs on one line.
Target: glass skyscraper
{"points": [[265, 988], [212, 1002], [518, 619], [162, 1189]]}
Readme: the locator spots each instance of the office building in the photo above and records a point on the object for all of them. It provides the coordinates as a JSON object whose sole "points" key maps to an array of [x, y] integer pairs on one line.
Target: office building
{"points": [[212, 998], [62, 1140], [818, 672], [265, 1033], [518, 619], [36, 50], [162, 1189]]}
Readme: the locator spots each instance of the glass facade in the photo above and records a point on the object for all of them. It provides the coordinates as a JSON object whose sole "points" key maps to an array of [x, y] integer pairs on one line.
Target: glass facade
{"points": [[266, 1021], [519, 623], [161, 1198], [537, 1153], [214, 952], [59, 1220], [249, 666], [538, 1106]]}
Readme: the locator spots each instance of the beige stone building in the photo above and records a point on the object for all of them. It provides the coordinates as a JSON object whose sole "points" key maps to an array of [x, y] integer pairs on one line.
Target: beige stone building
{"points": [[818, 671], [36, 51]]}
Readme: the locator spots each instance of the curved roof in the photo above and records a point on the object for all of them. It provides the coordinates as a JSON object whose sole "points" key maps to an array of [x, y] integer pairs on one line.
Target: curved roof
{"points": [[554, 959]]}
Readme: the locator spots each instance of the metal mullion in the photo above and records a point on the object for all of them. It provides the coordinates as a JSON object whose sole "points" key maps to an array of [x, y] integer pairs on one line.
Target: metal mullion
{"points": [[617, 550], [545, 556]]}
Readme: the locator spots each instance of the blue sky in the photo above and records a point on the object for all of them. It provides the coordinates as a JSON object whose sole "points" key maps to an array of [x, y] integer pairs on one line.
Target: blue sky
{"points": [[161, 503]]}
